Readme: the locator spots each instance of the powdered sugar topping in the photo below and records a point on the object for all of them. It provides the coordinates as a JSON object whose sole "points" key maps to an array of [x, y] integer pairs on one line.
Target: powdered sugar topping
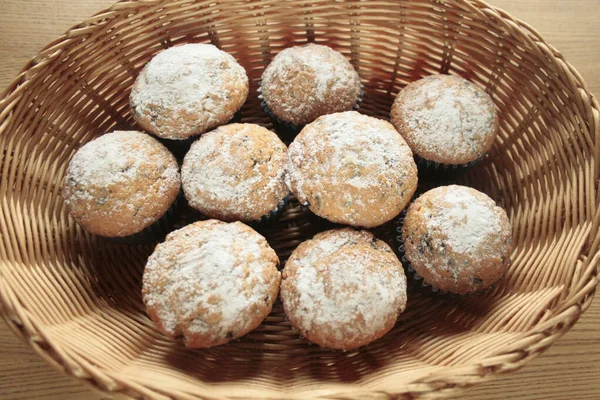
{"points": [[235, 172], [467, 221], [304, 82], [187, 90], [124, 173], [211, 278], [344, 283], [457, 239], [445, 118], [349, 157]]}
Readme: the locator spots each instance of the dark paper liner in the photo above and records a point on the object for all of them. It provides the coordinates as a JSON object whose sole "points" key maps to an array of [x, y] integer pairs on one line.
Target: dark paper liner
{"points": [[436, 172], [153, 233], [190, 215], [237, 117], [180, 147], [272, 216], [286, 130], [317, 220], [412, 275], [186, 215]]}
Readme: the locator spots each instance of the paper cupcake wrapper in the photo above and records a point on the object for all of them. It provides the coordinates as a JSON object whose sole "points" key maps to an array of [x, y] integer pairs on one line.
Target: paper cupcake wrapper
{"points": [[412, 274], [272, 216], [315, 219], [190, 215], [153, 233], [436, 172], [286, 130], [237, 117], [180, 147]]}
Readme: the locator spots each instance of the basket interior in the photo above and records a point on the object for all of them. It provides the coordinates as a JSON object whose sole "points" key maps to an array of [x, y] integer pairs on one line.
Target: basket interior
{"points": [[79, 298]]}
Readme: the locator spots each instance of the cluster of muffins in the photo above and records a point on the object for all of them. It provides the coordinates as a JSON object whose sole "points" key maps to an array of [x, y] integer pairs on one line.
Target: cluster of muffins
{"points": [[215, 280]]}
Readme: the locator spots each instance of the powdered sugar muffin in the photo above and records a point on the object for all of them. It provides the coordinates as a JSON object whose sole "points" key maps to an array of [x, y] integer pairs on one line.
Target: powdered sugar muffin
{"points": [[304, 82], [456, 239], [343, 289], [445, 119], [121, 183], [235, 172], [210, 282], [187, 90], [351, 169]]}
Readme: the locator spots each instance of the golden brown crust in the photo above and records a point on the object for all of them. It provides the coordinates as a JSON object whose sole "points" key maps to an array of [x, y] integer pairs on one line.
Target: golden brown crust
{"points": [[446, 119], [352, 169], [457, 239], [210, 282], [235, 172], [343, 289], [304, 82], [121, 183], [187, 90]]}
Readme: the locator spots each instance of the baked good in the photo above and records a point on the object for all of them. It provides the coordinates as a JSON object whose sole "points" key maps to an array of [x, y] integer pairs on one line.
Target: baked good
{"points": [[187, 90], [457, 239], [304, 82], [121, 183], [351, 169], [235, 172], [445, 119], [343, 289], [210, 282]]}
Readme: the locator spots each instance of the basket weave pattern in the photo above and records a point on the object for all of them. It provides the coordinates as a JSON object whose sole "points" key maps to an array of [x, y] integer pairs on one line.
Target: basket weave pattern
{"points": [[76, 299]]}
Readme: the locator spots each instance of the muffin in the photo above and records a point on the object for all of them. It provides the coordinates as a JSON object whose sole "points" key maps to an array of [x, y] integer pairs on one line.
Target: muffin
{"points": [[448, 121], [235, 173], [304, 82], [210, 282], [122, 185], [351, 169], [457, 240], [343, 289], [187, 90]]}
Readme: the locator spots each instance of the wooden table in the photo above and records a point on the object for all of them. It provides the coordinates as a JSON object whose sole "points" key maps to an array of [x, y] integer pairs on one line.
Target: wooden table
{"points": [[569, 370]]}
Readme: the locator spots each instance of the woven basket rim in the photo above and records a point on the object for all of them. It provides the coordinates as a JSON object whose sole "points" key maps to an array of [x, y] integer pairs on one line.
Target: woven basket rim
{"points": [[531, 344]]}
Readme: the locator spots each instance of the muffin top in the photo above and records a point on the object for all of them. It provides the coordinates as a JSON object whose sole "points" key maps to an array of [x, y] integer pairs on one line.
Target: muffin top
{"points": [[120, 183], [187, 90], [457, 239], [446, 119], [352, 169], [210, 282], [343, 289], [305, 82], [235, 172]]}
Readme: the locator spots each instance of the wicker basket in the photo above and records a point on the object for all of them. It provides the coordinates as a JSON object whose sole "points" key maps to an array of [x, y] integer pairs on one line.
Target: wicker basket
{"points": [[76, 299]]}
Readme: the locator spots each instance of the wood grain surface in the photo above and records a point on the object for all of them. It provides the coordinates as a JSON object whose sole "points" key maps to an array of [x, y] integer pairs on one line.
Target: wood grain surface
{"points": [[568, 370]]}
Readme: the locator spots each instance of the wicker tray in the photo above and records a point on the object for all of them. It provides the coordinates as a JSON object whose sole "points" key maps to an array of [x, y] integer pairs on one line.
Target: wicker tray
{"points": [[76, 299]]}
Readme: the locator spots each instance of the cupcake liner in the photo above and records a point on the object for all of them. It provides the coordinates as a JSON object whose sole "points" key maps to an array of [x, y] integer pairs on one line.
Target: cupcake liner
{"points": [[323, 223], [286, 130], [272, 216], [153, 233], [237, 118], [186, 215], [190, 215], [434, 172], [361, 95], [412, 274], [180, 147]]}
